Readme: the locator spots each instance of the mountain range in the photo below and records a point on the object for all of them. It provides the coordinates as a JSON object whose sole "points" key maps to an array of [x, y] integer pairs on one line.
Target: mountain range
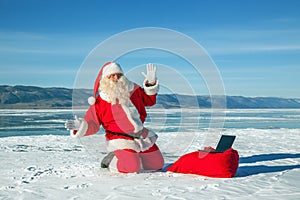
{"points": [[27, 97]]}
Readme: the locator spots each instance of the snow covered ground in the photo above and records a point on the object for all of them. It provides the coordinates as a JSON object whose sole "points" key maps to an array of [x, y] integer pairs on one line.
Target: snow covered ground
{"points": [[60, 167]]}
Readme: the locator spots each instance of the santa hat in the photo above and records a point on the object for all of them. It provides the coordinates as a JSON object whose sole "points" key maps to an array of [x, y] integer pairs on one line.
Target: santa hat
{"points": [[106, 70]]}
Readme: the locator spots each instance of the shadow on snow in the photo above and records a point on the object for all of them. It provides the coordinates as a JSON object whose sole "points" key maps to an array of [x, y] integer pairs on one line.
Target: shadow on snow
{"points": [[244, 171]]}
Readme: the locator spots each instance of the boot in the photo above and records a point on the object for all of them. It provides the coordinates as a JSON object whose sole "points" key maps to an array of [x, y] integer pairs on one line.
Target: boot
{"points": [[107, 159]]}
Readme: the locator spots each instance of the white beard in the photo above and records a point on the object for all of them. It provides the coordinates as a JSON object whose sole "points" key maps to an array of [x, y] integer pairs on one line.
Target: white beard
{"points": [[116, 91]]}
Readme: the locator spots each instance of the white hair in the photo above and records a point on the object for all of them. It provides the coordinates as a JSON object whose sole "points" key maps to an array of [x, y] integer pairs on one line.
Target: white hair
{"points": [[116, 91]]}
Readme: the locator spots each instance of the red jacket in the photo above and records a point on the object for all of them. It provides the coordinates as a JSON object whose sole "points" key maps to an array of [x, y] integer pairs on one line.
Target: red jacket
{"points": [[117, 118]]}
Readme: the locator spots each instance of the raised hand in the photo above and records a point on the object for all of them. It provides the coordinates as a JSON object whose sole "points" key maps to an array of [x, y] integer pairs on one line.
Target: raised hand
{"points": [[151, 74]]}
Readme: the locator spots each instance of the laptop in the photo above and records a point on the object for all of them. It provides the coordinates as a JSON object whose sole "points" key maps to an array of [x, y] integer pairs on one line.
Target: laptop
{"points": [[224, 144]]}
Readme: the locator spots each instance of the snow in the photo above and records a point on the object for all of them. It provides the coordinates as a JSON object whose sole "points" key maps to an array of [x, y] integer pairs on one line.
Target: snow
{"points": [[61, 167]]}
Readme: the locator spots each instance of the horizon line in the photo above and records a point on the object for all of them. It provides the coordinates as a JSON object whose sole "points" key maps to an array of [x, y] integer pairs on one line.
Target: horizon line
{"points": [[229, 95]]}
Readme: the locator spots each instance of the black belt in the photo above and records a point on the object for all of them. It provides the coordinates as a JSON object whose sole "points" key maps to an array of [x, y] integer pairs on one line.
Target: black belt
{"points": [[123, 134]]}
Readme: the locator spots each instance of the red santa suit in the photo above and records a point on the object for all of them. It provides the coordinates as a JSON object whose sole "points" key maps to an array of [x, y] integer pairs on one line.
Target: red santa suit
{"points": [[120, 119]]}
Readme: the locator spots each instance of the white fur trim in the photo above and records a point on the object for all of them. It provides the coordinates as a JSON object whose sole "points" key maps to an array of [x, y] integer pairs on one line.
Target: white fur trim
{"points": [[112, 68], [133, 116], [118, 144], [91, 100], [83, 127], [151, 90]]}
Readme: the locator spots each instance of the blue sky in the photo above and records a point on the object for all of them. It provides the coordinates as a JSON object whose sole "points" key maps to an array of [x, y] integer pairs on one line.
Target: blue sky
{"points": [[254, 44]]}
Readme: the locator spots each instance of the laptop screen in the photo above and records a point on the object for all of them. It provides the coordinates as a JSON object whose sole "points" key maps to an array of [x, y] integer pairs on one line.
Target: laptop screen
{"points": [[225, 143]]}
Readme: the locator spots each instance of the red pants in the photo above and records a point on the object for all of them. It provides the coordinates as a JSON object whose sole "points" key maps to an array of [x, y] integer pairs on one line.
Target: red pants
{"points": [[129, 161]]}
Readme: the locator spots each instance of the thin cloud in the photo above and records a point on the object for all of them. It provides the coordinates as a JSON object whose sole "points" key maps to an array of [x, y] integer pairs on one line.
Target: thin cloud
{"points": [[241, 41], [16, 43]]}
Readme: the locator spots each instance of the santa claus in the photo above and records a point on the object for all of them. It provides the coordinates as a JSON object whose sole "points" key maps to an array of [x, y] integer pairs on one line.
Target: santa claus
{"points": [[119, 106]]}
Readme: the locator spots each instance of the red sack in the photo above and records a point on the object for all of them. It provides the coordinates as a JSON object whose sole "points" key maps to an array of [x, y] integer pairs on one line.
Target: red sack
{"points": [[212, 164]]}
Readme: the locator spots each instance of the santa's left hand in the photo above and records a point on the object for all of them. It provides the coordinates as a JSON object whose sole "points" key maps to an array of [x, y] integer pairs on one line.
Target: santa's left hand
{"points": [[151, 74]]}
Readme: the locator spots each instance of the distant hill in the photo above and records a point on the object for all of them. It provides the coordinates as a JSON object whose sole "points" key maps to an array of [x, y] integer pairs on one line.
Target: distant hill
{"points": [[232, 102], [27, 97], [36, 97]]}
